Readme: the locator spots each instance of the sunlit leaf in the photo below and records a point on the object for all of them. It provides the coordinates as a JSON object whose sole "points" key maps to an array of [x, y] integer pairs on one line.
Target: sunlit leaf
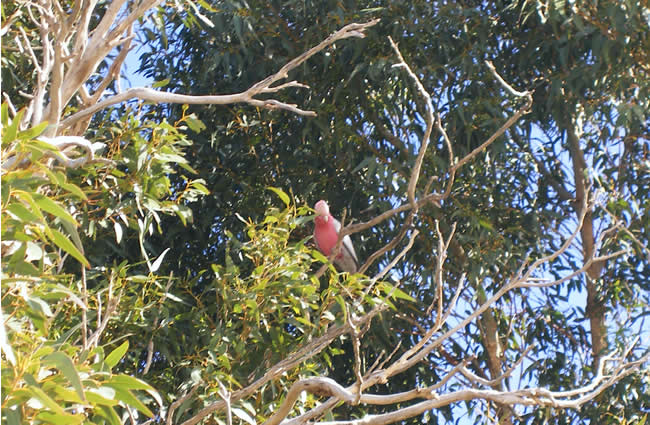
{"points": [[9, 132], [283, 196], [108, 413], [67, 367], [116, 355], [118, 231], [195, 124], [103, 396], [32, 132], [156, 264], [54, 208], [128, 398], [40, 395], [64, 243], [161, 83], [125, 382], [21, 212], [60, 418], [395, 292], [241, 414]]}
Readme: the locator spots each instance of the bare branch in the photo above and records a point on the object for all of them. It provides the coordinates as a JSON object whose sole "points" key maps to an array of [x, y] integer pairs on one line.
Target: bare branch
{"points": [[177, 403], [87, 57], [522, 111], [10, 20], [323, 386], [248, 96], [108, 20], [10, 105], [113, 302], [55, 106], [507, 86], [452, 174], [443, 246], [350, 30], [277, 88], [114, 70], [29, 49], [494, 382], [454, 168], [427, 132], [531, 396], [393, 262], [386, 134], [356, 345], [43, 72], [225, 396], [82, 24], [390, 245], [534, 283]]}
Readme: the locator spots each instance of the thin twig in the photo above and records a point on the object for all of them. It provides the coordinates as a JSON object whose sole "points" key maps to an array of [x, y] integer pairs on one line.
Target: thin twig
{"points": [[640, 244], [84, 316], [443, 246], [150, 345], [225, 396], [177, 403]]}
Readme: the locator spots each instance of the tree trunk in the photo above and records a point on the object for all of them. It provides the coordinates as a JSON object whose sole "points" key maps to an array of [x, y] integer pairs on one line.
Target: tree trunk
{"points": [[488, 326], [595, 310], [490, 331]]}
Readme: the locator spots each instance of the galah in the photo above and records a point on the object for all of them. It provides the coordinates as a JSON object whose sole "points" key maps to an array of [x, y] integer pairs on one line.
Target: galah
{"points": [[326, 234]]}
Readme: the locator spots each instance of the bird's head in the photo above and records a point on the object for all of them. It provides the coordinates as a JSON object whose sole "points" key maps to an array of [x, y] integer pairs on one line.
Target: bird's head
{"points": [[322, 209]]}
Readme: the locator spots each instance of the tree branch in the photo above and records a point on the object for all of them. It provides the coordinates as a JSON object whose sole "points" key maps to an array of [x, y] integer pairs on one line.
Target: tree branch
{"points": [[435, 197], [248, 96], [176, 404], [415, 175], [531, 396]]}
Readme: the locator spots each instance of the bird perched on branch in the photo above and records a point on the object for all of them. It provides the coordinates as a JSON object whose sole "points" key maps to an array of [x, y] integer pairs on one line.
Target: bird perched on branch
{"points": [[326, 234]]}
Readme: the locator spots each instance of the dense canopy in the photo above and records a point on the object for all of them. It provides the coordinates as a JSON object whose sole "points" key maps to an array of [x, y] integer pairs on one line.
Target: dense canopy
{"points": [[489, 160]]}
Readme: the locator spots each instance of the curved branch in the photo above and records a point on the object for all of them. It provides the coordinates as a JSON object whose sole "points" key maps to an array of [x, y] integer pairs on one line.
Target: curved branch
{"points": [[435, 197], [248, 96], [429, 125], [309, 350], [61, 143], [530, 396]]}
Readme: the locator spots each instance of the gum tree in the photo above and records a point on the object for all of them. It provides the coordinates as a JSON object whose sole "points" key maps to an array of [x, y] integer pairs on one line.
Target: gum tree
{"points": [[149, 275]]}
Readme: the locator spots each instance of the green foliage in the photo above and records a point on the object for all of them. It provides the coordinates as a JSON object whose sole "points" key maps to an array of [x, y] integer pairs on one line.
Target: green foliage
{"points": [[52, 380], [265, 301], [128, 281], [257, 307], [576, 56], [35, 204], [51, 373], [237, 319]]}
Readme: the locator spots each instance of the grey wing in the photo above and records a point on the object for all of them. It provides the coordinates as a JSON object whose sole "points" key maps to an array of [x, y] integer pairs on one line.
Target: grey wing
{"points": [[353, 261]]}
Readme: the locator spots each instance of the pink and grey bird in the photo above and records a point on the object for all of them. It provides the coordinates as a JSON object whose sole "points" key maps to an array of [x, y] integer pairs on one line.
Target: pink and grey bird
{"points": [[326, 234]]}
